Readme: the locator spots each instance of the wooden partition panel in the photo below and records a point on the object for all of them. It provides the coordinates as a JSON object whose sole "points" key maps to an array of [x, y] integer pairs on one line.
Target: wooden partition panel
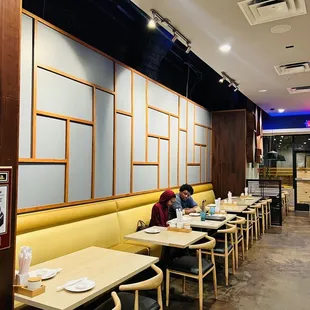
{"points": [[9, 126], [228, 152]]}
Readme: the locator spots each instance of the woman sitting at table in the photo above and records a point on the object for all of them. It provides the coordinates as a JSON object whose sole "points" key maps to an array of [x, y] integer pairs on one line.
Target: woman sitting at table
{"points": [[160, 209]]}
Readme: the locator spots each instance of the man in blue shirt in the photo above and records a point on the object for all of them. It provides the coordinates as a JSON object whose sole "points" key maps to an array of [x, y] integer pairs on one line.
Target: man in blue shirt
{"points": [[183, 201]]}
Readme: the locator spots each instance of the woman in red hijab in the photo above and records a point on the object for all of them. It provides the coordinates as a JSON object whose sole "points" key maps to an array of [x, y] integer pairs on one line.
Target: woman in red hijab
{"points": [[160, 209]]}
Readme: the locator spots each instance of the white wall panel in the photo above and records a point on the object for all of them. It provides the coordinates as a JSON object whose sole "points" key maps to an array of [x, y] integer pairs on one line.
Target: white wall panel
{"points": [[203, 165], [80, 162], [40, 184], [197, 154], [183, 113], [145, 178], [123, 153], [182, 157], [174, 151], [51, 138], [193, 175], [200, 135], [152, 152], [158, 123], [203, 117], [161, 98], [60, 52], [104, 144], [190, 133], [163, 168], [25, 88], [139, 124], [60, 95], [123, 89]]}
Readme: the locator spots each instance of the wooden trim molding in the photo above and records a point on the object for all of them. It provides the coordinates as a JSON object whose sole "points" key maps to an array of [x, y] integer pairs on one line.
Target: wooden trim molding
{"points": [[150, 135], [67, 158], [43, 160], [65, 118], [150, 163], [132, 131], [124, 113], [193, 164], [204, 126], [93, 174], [162, 111], [74, 78]]}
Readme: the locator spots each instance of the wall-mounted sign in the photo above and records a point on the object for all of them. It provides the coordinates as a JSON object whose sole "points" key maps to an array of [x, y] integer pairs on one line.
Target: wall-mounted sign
{"points": [[5, 207], [307, 123]]}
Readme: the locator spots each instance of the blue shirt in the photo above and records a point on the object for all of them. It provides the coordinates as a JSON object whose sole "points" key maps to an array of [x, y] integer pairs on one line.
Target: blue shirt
{"points": [[181, 204]]}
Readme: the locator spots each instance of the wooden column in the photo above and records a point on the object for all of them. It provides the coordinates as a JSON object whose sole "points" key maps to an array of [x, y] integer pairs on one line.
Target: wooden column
{"points": [[228, 152], [10, 26]]}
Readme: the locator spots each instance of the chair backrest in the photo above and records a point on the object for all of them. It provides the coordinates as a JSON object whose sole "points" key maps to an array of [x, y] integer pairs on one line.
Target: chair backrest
{"points": [[204, 246], [117, 301], [231, 231], [150, 284]]}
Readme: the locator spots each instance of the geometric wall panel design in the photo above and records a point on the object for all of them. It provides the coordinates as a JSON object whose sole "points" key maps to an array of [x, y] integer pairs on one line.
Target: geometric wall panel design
{"points": [[158, 123], [144, 178], [25, 89], [91, 128], [193, 174], [174, 160], [200, 135], [190, 133], [203, 117], [139, 124], [163, 99], [183, 113], [123, 88], [60, 52]]}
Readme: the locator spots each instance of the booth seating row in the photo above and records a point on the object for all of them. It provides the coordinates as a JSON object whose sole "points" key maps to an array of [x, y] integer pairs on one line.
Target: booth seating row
{"points": [[60, 231]]}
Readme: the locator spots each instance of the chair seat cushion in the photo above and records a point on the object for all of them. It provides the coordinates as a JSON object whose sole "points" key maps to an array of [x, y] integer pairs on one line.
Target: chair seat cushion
{"points": [[220, 248], [221, 237], [189, 264], [127, 302]]}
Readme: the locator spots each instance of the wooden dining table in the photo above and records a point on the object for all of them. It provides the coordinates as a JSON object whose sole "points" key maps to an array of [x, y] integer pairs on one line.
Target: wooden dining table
{"points": [[167, 238], [108, 268]]}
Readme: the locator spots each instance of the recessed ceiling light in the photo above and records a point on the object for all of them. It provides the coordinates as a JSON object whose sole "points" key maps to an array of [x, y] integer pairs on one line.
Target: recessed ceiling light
{"points": [[305, 142], [262, 90], [309, 139], [281, 110], [225, 48], [281, 29], [281, 136]]}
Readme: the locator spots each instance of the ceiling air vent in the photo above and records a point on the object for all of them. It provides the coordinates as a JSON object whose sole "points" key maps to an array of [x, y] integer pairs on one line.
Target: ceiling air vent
{"points": [[264, 11], [299, 90], [298, 67]]}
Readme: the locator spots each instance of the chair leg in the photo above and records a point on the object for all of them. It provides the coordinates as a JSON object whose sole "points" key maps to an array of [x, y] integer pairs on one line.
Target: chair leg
{"points": [[252, 235], [183, 286], [256, 233], [167, 287], [247, 239], [214, 282], [266, 217], [258, 226], [263, 221], [237, 254], [233, 261], [242, 245], [226, 270], [200, 292], [160, 298], [269, 217]]}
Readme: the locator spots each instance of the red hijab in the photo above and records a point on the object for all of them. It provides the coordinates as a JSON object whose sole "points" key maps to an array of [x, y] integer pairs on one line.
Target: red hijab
{"points": [[166, 196]]}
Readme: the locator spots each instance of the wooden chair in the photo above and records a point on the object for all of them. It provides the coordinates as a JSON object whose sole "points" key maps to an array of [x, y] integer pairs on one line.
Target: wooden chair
{"points": [[226, 248], [258, 208], [263, 216], [194, 267], [248, 227], [117, 301], [131, 301], [239, 238], [269, 201]]}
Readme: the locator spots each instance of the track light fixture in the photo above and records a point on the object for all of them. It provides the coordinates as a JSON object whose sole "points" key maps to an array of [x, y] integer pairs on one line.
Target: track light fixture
{"points": [[177, 35], [231, 82]]}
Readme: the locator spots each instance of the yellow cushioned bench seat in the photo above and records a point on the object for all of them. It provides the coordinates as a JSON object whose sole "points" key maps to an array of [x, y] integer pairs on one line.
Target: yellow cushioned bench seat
{"points": [[60, 231]]}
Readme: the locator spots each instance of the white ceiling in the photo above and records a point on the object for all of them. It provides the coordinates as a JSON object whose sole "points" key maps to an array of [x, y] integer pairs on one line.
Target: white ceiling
{"points": [[255, 50]]}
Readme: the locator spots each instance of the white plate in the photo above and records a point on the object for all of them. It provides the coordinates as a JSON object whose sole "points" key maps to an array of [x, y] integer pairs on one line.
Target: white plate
{"points": [[46, 273], [194, 214], [82, 286], [152, 231]]}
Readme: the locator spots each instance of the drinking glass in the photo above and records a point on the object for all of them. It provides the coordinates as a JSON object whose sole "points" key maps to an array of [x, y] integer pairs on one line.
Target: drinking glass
{"points": [[203, 215], [212, 210]]}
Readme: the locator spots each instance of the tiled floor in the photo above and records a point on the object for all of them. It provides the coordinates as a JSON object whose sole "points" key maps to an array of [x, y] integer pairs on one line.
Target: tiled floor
{"points": [[275, 275]]}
